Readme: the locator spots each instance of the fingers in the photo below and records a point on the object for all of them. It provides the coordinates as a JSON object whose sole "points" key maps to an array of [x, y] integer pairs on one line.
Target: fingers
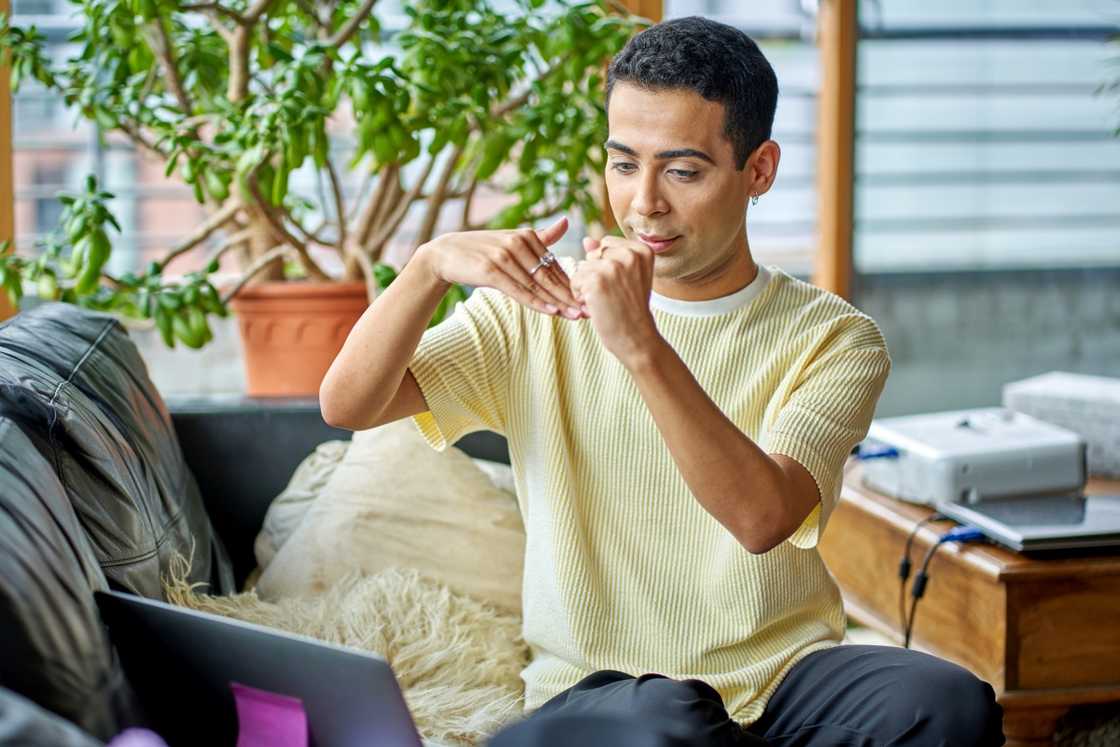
{"points": [[590, 245], [507, 284], [552, 278], [578, 280], [621, 250], [552, 234], [540, 283], [611, 257], [512, 272]]}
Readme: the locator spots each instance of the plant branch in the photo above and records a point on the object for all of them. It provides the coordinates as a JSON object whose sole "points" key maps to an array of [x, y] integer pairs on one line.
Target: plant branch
{"points": [[362, 192], [389, 179], [363, 261], [389, 227], [343, 34], [233, 241], [195, 121], [213, 223], [215, 8], [149, 83], [392, 200], [255, 11], [137, 137], [438, 197], [277, 226], [339, 208], [309, 8], [547, 212], [467, 200], [308, 235], [165, 51], [215, 16], [255, 268], [518, 101], [239, 63]]}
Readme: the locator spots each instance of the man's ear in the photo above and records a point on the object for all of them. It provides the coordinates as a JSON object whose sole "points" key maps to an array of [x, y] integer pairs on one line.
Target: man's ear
{"points": [[762, 167]]}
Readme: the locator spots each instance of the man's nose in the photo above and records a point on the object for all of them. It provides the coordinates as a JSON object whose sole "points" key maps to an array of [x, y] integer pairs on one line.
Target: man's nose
{"points": [[648, 199]]}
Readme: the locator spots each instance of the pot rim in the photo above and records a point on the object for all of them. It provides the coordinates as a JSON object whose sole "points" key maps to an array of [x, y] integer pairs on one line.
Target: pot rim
{"points": [[289, 289]]}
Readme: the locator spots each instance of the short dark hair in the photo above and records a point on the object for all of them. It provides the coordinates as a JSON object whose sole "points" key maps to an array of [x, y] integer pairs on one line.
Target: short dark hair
{"points": [[715, 60]]}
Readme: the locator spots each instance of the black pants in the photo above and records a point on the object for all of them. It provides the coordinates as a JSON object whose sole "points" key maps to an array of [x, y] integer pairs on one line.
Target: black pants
{"points": [[849, 695]]}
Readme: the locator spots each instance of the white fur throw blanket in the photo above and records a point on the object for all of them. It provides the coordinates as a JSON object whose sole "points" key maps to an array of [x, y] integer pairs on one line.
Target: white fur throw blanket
{"points": [[458, 660]]}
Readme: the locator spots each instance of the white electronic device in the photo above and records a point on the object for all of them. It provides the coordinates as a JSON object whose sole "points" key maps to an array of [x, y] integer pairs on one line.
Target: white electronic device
{"points": [[968, 456]]}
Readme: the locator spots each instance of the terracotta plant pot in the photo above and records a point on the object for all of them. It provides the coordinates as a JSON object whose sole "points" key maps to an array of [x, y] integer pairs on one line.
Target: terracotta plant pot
{"points": [[290, 333]]}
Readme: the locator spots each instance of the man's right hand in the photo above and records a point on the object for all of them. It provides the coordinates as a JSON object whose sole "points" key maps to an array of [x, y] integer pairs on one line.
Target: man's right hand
{"points": [[503, 260]]}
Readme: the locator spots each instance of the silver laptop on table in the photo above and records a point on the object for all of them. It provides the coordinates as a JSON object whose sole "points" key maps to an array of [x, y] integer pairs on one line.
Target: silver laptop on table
{"points": [[1044, 523], [181, 664]]}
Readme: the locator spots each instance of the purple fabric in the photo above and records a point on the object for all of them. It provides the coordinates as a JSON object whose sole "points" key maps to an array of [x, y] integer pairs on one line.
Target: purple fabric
{"points": [[266, 719], [137, 738]]}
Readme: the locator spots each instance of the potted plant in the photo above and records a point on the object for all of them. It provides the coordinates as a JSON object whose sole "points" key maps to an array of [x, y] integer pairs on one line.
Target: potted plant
{"points": [[243, 98]]}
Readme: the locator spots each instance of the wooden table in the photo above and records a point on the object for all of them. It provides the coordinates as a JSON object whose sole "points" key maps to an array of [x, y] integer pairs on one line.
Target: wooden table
{"points": [[1044, 632]]}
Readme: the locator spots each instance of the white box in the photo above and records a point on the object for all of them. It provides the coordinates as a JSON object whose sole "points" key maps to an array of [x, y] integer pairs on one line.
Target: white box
{"points": [[974, 455], [1087, 405]]}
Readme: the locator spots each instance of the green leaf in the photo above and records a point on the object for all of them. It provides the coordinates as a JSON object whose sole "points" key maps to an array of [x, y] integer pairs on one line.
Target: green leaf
{"points": [[493, 152], [216, 186], [170, 300], [165, 326], [280, 184], [384, 274], [509, 217]]}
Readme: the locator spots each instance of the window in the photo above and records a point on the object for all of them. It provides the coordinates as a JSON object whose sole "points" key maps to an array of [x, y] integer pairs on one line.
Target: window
{"points": [[33, 7], [987, 175], [49, 177], [53, 149], [981, 140]]}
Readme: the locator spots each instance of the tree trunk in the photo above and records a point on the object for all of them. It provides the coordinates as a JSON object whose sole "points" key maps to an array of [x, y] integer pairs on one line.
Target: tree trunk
{"points": [[262, 239]]}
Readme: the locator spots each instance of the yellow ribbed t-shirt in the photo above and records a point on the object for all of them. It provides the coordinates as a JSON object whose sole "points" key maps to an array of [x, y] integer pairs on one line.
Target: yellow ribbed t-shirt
{"points": [[624, 569]]}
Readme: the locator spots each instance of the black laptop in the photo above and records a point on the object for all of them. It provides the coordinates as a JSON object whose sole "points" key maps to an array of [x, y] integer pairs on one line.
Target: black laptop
{"points": [[182, 664]]}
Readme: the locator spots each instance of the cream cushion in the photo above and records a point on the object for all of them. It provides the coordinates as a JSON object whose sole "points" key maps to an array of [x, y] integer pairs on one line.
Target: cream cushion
{"points": [[287, 510], [394, 502]]}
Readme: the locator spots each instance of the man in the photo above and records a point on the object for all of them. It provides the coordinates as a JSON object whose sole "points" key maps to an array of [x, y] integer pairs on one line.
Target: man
{"points": [[678, 418]]}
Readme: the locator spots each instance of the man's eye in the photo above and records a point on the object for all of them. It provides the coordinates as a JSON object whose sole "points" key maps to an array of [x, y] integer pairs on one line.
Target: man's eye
{"points": [[682, 173], [622, 167]]}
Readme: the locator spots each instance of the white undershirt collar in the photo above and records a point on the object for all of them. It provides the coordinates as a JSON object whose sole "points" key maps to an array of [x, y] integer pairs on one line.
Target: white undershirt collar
{"points": [[713, 306]]}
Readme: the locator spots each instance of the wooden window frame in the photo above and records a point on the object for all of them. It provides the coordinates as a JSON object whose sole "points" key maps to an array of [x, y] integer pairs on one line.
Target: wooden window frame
{"points": [[7, 205], [837, 33]]}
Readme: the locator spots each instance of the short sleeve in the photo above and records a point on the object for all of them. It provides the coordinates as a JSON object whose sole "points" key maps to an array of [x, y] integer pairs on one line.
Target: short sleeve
{"points": [[462, 366], [824, 417]]}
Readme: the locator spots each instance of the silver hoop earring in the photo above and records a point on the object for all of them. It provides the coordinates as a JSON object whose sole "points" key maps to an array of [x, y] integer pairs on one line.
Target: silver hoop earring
{"points": [[754, 199]]}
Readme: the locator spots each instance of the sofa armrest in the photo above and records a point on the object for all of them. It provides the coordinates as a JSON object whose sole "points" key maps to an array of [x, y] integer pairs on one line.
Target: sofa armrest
{"points": [[243, 451]]}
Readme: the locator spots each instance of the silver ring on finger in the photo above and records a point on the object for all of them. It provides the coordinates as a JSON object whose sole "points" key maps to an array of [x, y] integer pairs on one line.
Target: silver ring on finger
{"points": [[548, 259]]}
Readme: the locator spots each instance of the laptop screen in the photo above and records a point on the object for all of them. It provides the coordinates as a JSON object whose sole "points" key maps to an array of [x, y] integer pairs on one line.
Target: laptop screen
{"points": [[186, 666]]}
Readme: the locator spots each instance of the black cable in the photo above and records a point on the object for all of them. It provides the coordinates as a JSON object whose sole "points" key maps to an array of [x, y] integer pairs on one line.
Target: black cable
{"points": [[918, 589], [961, 534], [904, 567]]}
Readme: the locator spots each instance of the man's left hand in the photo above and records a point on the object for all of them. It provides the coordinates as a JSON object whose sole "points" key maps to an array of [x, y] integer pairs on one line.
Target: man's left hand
{"points": [[614, 283]]}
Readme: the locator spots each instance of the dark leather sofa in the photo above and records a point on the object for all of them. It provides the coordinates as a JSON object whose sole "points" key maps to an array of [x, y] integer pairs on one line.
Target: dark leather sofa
{"points": [[101, 484]]}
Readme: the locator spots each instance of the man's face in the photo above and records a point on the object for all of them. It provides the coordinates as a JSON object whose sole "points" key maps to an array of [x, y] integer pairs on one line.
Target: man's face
{"points": [[672, 181]]}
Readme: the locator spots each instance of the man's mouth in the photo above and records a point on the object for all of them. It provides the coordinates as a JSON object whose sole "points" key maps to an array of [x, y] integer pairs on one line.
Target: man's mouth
{"points": [[657, 243]]}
